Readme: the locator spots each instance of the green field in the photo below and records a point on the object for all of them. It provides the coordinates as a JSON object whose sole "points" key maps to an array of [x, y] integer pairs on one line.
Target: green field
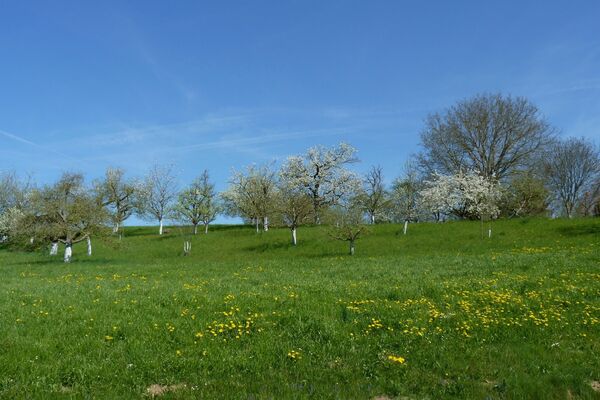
{"points": [[439, 313]]}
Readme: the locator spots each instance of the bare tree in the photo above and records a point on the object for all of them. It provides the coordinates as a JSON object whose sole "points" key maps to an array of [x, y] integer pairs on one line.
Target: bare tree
{"points": [[118, 195], [373, 196], [572, 168], [157, 194], [251, 195], [490, 134], [321, 173]]}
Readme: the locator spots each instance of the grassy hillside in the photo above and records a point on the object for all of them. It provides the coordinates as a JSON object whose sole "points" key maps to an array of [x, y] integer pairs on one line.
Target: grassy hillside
{"points": [[439, 313]]}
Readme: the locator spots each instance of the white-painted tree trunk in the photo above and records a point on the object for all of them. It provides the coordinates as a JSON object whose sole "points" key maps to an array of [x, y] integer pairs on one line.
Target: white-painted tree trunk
{"points": [[257, 230], [31, 240], [352, 247], [405, 226], [195, 229], [160, 226], [54, 248], [187, 247], [266, 224], [68, 252], [372, 219], [89, 246], [116, 227], [205, 229], [294, 238], [490, 230]]}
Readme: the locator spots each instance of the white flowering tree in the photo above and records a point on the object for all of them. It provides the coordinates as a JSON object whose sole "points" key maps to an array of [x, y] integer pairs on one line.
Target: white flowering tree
{"points": [[9, 222], [321, 173], [464, 195]]}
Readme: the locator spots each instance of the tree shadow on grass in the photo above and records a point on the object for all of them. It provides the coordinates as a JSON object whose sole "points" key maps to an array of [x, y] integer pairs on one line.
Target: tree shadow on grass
{"points": [[578, 230], [58, 261]]}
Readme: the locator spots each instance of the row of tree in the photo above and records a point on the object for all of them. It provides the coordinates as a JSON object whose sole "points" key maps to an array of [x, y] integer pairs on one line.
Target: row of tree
{"points": [[485, 157]]}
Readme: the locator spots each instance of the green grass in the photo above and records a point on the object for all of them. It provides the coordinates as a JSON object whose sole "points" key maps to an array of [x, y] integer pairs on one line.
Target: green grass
{"points": [[517, 316]]}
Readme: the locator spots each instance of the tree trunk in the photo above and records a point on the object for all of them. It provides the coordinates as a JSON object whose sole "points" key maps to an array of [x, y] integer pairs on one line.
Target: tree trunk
{"points": [[187, 247], [266, 224], [54, 248], [405, 226], [352, 247], [490, 230], [205, 228], [160, 226], [372, 219], [195, 229], [89, 246], [68, 252], [116, 228], [257, 230], [294, 238]]}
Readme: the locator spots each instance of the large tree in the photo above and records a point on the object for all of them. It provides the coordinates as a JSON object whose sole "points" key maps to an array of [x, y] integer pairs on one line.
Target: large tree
{"points": [[157, 194], [572, 167], [64, 212], [118, 195], [321, 173], [491, 134]]}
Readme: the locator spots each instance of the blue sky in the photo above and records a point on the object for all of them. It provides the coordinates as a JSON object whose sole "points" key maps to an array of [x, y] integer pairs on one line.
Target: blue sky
{"points": [[220, 85]]}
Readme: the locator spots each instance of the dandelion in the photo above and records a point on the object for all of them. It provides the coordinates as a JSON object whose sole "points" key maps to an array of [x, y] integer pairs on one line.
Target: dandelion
{"points": [[294, 355], [108, 338], [396, 359]]}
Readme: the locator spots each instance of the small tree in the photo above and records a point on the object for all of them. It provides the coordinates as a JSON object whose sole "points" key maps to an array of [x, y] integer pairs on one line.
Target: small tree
{"points": [[347, 224], [118, 195], [196, 204], [525, 195], [373, 197], [405, 196], [294, 207], [157, 194], [252, 195], [321, 173]]}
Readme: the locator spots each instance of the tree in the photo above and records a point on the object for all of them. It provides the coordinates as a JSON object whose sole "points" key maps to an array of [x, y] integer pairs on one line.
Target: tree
{"points": [[373, 197], [157, 194], [293, 205], [15, 195], [118, 195], [490, 134], [197, 204], [347, 223], [405, 196], [467, 195], [64, 212], [251, 195], [572, 167], [321, 174], [525, 195]]}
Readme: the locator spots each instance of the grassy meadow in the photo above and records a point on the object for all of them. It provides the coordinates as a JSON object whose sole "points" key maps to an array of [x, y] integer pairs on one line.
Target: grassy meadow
{"points": [[439, 313]]}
